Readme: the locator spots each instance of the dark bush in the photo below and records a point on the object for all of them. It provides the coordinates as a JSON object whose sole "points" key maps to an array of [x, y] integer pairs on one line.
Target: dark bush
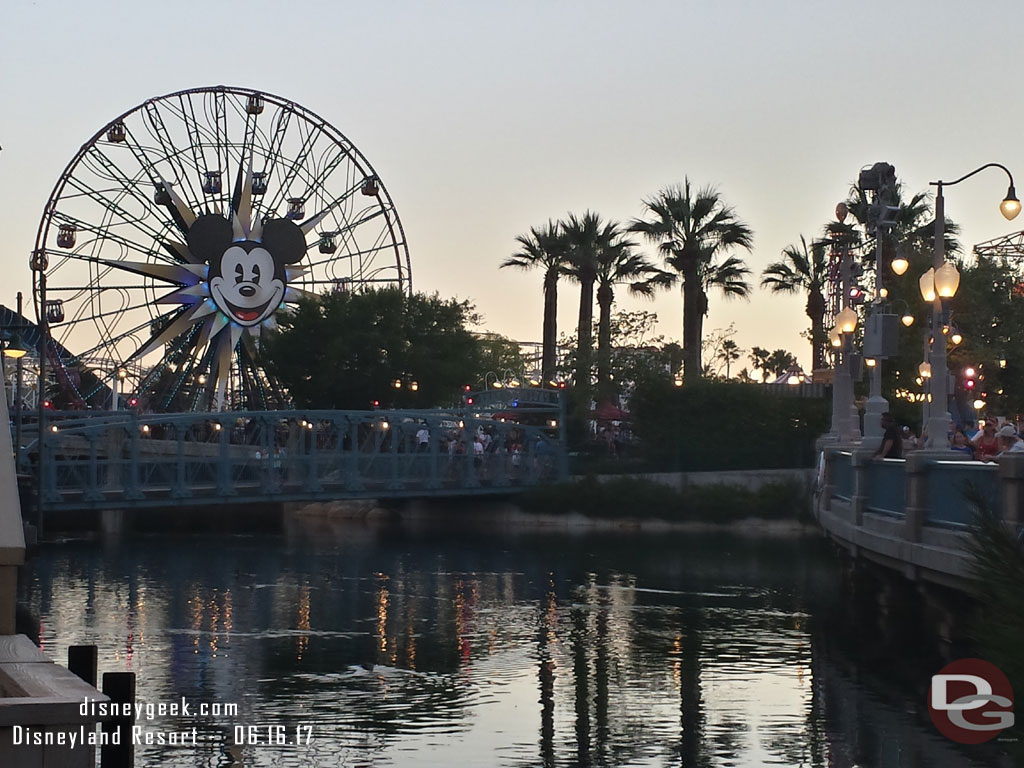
{"points": [[631, 497], [725, 425]]}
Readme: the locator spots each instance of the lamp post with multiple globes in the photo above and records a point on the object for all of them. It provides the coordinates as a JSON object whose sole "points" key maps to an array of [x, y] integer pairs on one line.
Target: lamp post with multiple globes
{"points": [[938, 285]]}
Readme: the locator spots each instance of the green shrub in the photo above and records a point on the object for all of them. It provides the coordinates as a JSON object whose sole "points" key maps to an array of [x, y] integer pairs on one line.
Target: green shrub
{"points": [[638, 498], [998, 570], [725, 425]]}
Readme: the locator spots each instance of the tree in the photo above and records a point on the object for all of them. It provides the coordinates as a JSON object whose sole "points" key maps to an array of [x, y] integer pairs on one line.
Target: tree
{"points": [[693, 230], [729, 353], [618, 264], [501, 355], [347, 350], [637, 354], [544, 248], [718, 348], [759, 357], [805, 269], [587, 238], [780, 361]]}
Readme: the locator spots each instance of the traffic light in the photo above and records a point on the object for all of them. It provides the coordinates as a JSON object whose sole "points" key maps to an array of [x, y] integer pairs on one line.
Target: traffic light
{"points": [[48, 405]]}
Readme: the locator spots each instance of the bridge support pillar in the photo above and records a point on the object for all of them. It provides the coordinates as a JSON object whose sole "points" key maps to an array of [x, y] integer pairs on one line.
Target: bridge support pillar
{"points": [[8, 591], [828, 485], [1011, 476], [859, 460], [916, 510], [112, 521]]}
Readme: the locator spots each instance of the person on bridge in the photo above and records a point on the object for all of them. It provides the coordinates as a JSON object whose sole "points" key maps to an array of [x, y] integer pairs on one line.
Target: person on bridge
{"points": [[986, 444], [892, 440], [1009, 442]]}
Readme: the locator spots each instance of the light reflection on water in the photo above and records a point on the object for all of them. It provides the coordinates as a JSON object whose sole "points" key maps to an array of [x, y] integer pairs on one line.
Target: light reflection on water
{"points": [[485, 651]]}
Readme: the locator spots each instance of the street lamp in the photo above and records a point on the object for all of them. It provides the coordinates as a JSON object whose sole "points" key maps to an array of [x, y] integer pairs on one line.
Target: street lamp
{"points": [[845, 426], [945, 280]]}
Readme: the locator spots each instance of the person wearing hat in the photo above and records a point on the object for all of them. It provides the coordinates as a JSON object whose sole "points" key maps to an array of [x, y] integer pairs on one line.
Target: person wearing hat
{"points": [[1008, 440]]}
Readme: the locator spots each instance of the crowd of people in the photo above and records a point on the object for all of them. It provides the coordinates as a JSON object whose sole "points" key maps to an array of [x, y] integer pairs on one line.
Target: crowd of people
{"points": [[988, 443]]}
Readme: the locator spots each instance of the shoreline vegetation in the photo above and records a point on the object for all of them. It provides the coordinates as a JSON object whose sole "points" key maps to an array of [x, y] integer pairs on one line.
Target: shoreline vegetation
{"points": [[633, 497], [590, 503]]}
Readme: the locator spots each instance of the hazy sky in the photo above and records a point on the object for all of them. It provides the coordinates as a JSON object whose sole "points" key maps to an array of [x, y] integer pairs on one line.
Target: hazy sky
{"points": [[486, 118]]}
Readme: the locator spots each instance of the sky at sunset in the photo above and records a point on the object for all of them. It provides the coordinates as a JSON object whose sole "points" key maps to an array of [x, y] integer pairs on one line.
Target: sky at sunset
{"points": [[485, 118]]}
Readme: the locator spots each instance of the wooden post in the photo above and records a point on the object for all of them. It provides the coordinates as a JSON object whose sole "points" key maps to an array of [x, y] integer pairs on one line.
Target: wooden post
{"points": [[82, 662], [120, 687]]}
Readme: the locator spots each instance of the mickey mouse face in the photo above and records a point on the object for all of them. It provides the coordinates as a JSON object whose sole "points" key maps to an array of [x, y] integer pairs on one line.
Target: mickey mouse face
{"points": [[247, 278], [247, 290]]}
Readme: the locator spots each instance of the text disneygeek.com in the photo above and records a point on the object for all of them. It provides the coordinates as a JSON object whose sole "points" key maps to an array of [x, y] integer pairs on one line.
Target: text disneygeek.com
{"points": [[268, 735]]}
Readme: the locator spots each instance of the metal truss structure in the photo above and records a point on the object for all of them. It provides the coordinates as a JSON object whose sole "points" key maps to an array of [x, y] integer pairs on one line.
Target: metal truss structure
{"points": [[1007, 247], [127, 460]]}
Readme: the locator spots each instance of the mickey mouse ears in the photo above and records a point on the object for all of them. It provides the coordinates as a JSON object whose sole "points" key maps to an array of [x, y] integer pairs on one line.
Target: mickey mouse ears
{"points": [[211, 234]]}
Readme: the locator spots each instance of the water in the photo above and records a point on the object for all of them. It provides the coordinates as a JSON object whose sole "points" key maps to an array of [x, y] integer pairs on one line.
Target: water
{"points": [[364, 647]]}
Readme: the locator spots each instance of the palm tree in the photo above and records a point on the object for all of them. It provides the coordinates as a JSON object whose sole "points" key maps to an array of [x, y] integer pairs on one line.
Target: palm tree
{"points": [[729, 352], [914, 224], [759, 357], [692, 229], [804, 268], [780, 361], [586, 238], [618, 264], [544, 248]]}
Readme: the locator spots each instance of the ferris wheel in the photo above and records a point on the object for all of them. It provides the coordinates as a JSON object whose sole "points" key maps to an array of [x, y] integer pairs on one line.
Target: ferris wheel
{"points": [[180, 231]]}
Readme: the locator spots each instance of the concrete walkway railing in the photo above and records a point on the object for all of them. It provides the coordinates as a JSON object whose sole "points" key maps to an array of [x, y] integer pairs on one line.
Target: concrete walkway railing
{"points": [[914, 514]]}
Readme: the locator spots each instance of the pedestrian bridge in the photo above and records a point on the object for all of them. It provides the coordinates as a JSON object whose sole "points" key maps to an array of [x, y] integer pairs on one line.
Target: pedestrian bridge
{"points": [[914, 515], [126, 460]]}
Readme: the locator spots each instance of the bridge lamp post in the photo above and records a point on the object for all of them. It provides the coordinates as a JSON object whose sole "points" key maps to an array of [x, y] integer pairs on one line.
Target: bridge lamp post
{"points": [[496, 383], [941, 282], [121, 375]]}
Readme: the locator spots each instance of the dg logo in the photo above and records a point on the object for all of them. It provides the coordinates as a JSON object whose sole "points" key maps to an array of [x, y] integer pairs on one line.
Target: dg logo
{"points": [[971, 701]]}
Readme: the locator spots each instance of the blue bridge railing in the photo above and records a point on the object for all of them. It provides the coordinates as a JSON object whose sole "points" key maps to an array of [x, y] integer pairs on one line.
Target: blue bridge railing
{"points": [[125, 459]]}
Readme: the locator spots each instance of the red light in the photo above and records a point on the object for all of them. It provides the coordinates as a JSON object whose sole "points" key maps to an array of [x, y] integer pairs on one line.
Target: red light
{"points": [[47, 404], [969, 383], [469, 401], [561, 385], [375, 403], [133, 401], [466, 388]]}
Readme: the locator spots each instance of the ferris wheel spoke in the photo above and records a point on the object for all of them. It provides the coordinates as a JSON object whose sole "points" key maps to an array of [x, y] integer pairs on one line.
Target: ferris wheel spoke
{"points": [[352, 254], [115, 174], [113, 208], [311, 222], [171, 154], [294, 167], [81, 225]]}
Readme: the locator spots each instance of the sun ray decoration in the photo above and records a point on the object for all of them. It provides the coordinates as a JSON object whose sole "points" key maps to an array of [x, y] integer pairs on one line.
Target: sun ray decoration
{"points": [[182, 229]]}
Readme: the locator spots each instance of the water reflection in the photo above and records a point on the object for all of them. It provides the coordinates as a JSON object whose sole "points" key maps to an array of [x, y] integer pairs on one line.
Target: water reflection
{"points": [[507, 651]]}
